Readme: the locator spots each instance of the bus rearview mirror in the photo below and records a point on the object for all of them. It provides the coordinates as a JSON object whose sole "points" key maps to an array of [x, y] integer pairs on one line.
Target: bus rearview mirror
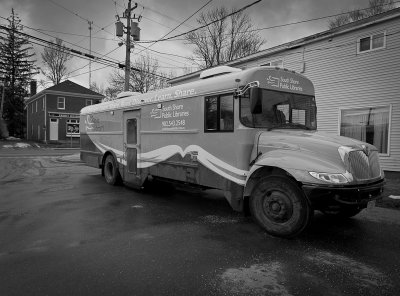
{"points": [[255, 100]]}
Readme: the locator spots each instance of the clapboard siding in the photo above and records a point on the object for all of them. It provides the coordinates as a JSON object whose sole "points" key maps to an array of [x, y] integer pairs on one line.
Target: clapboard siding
{"points": [[345, 79]]}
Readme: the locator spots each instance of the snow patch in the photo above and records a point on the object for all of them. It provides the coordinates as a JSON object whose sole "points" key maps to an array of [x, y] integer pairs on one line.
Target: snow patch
{"points": [[258, 279], [394, 196], [22, 145]]}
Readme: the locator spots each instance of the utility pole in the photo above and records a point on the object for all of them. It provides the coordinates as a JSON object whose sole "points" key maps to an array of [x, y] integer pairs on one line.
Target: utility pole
{"points": [[128, 45], [2, 99], [134, 32], [90, 52]]}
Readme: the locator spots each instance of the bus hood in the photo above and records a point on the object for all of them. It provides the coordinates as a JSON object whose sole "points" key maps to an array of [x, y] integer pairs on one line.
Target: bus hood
{"points": [[310, 151], [306, 140]]}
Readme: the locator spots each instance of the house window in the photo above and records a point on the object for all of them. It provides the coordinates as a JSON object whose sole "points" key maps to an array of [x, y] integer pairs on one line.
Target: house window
{"points": [[372, 42], [60, 103], [370, 125], [219, 114], [89, 102], [72, 127], [274, 63]]}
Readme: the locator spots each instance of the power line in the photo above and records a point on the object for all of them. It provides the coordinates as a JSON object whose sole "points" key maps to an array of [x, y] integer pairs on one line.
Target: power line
{"points": [[103, 29], [203, 26], [180, 24], [70, 11], [40, 31], [78, 53], [163, 15], [88, 64], [36, 30], [173, 38]]}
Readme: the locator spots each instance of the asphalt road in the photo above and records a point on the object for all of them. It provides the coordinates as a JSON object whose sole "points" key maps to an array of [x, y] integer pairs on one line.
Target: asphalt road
{"points": [[63, 231]]}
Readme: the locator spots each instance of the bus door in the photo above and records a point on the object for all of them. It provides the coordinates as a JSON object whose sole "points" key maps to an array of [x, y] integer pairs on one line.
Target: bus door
{"points": [[131, 146]]}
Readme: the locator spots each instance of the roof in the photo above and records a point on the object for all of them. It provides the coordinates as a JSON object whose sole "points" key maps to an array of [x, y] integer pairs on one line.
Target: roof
{"points": [[72, 87], [381, 17], [66, 87], [205, 87]]}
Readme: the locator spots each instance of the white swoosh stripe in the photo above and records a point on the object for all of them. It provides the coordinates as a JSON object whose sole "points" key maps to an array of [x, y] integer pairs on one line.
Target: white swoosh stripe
{"points": [[154, 157]]}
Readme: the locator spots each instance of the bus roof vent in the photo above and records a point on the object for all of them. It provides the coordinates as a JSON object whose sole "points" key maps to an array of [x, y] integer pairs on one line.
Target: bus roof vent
{"points": [[218, 71], [127, 94]]}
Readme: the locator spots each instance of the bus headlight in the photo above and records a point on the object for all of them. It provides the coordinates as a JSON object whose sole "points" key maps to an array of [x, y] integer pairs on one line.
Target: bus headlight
{"points": [[333, 178]]}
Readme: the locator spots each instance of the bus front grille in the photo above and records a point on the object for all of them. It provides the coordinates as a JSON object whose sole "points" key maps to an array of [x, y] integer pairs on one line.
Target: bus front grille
{"points": [[363, 166]]}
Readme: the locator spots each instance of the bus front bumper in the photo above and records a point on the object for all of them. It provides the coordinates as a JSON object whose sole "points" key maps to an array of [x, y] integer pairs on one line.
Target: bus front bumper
{"points": [[325, 196]]}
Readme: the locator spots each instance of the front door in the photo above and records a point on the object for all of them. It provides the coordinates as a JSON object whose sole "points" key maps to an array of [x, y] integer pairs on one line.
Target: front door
{"points": [[53, 129], [132, 147]]}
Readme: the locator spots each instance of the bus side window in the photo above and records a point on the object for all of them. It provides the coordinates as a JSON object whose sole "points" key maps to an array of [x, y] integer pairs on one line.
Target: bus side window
{"points": [[211, 114], [226, 113], [131, 131], [218, 114]]}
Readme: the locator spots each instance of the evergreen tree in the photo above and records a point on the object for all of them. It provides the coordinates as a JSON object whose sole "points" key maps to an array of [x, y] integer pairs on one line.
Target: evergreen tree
{"points": [[16, 69]]}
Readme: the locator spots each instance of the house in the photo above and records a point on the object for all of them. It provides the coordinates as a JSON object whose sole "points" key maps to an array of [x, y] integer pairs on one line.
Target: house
{"points": [[53, 114], [355, 69]]}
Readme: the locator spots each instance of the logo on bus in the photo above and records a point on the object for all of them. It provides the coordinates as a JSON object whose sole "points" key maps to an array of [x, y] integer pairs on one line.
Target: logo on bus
{"points": [[287, 83]]}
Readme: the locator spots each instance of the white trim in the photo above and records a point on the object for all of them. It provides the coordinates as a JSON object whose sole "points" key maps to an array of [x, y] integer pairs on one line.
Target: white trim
{"points": [[45, 118], [387, 154], [58, 108], [274, 60], [370, 35]]}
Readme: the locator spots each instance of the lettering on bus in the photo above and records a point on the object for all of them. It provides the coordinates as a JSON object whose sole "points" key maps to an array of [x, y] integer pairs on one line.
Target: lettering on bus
{"points": [[93, 124], [173, 116], [179, 93], [286, 83]]}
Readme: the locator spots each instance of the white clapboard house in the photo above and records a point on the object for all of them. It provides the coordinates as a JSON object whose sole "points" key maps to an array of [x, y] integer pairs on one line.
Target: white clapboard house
{"points": [[355, 69]]}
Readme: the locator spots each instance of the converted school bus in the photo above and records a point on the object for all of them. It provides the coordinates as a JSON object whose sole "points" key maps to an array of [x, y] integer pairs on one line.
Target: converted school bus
{"points": [[250, 133]]}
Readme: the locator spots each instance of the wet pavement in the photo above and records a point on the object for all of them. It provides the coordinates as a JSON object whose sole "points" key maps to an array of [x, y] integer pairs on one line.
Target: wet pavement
{"points": [[63, 231]]}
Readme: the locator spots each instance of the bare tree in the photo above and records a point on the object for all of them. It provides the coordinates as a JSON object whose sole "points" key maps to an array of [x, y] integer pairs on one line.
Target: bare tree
{"points": [[55, 60], [374, 7], [144, 77], [225, 39], [97, 88]]}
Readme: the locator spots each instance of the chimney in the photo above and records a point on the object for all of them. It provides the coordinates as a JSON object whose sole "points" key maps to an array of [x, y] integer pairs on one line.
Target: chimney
{"points": [[33, 87]]}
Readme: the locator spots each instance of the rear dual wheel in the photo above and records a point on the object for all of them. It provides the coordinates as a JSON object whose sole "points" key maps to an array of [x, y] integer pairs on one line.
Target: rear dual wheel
{"points": [[111, 172], [280, 207]]}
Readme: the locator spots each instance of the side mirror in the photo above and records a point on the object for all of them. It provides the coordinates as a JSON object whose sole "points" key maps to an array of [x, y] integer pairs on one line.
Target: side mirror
{"points": [[255, 100]]}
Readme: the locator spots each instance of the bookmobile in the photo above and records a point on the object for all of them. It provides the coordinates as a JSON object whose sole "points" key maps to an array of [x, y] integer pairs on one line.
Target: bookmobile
{"points": [[250, 133]]}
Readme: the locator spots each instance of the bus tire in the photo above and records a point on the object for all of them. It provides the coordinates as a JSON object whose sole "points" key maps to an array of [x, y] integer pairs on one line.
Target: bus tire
{"points": [[279, 206], [111, 172]]}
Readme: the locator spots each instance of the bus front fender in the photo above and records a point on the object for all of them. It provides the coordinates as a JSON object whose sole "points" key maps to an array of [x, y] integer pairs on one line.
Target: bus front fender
{"points": [[293, 164]]}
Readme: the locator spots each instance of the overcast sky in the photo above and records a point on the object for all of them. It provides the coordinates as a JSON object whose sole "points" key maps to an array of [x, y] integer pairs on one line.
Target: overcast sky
{"points": [[67, 19]]}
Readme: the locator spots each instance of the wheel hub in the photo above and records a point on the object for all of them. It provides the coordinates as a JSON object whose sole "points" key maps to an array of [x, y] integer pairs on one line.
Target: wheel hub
{"points": [[277, 206]]}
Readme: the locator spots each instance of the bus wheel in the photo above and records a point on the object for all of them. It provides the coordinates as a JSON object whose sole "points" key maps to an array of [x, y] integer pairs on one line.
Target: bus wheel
{"points": [[111, 173], [280, 207]]}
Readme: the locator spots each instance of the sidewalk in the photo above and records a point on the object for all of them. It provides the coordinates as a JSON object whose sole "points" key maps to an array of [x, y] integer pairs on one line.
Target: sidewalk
{"points": [[26, 144]]}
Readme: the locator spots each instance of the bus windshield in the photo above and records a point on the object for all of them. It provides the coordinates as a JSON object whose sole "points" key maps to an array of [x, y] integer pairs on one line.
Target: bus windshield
{"points": [[275, 109]]}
